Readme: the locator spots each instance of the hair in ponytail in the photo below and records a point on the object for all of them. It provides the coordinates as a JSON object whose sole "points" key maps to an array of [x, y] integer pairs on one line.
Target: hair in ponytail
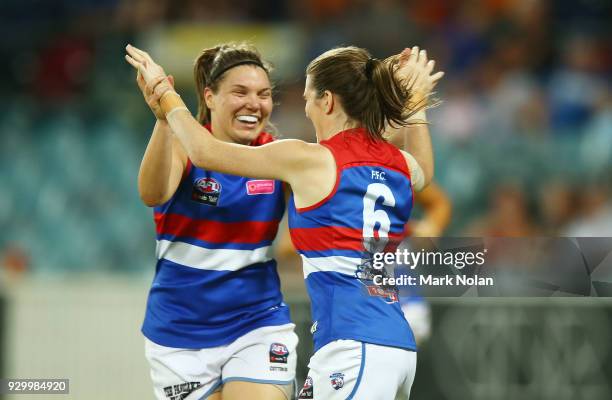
{"points": [[368, 89], [212, 64]]}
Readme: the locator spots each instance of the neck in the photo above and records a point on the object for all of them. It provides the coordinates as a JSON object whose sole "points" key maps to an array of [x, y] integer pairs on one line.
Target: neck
{"points": [[219, 134], [336, 125]]}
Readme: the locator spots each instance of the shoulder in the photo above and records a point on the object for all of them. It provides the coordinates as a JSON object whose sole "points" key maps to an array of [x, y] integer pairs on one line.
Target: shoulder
{"points": [[417, 176]]}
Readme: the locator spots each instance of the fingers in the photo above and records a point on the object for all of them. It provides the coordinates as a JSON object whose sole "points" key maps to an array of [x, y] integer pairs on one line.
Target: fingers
{"points": [[132, 61], [430, 66], [138, 54], [422, 60], [414, 55], [140, 81], [161, 88], [437, 76], [404, 55], [150, 87], [171, 80]]}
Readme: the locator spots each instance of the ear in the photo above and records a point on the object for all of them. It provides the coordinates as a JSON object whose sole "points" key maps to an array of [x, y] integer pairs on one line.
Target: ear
{"points": [[208, 98], [328, 102]]}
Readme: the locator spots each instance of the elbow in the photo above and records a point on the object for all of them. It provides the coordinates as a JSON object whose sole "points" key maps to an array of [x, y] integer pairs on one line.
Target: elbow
{"points": [[151, 198], [428, 174]]}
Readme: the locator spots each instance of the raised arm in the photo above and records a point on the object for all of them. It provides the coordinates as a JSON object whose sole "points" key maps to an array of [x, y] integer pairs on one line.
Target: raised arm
{"points": [[292, 161], [164, 161], [414, 138]]}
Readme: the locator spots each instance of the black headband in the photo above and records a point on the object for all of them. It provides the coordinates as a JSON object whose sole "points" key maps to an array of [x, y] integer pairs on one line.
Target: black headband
{"points": [[220, 72], [369, 67]]}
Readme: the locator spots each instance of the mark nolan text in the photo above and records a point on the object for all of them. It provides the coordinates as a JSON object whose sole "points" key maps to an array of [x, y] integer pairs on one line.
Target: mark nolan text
{"points": [[429, 280]]}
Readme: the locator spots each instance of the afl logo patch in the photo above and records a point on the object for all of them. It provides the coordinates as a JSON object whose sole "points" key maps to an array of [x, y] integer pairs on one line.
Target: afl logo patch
{"points": [[206, 191], [307, 390], [278, 353]]}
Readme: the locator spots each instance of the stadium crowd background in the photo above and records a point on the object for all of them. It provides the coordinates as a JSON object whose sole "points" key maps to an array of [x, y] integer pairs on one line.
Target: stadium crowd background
{"points": [[523, 138], [523, 144]]}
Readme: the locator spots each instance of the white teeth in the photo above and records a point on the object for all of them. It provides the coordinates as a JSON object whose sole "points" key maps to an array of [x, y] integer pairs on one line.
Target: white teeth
{"points": [[248, 118]]}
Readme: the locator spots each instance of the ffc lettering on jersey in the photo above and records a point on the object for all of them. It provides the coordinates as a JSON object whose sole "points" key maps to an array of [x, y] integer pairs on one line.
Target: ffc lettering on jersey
{"points": [[278, 353], [181, 391], [206, 191], [307, 391], [260, 186]]}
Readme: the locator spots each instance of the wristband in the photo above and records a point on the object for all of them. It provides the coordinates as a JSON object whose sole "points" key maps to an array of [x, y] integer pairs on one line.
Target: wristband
{"points": [[175, 109], [169, 101], [419, 117]]}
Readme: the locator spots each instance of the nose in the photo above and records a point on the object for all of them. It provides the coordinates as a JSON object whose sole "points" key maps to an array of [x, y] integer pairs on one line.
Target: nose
{"points": [[253, 102]]}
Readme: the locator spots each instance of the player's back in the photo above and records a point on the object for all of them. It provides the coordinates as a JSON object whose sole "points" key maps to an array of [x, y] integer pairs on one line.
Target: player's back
{"points": [[370, 204]]}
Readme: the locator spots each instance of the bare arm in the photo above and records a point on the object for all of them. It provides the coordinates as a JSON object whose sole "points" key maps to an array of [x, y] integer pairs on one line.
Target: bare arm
{"points": [[437, 209], [414, 138], [162, 166], [293, 161], [164, 160]]}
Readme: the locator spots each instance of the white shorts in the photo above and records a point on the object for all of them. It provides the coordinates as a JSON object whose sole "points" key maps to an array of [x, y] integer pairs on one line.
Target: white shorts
{"points": [[264, 355], [347, 369]]}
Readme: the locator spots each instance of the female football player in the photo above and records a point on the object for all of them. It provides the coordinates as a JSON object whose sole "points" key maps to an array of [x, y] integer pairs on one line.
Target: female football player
{"points": [[216, 325]]}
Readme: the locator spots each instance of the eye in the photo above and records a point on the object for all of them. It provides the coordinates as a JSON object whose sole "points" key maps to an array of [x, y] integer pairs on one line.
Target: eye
{"points": [[265, 95], [239, 92]]}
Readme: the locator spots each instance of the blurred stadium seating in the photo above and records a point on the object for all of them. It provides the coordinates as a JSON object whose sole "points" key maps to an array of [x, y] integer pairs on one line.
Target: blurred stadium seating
{"points": [[523, 143]]}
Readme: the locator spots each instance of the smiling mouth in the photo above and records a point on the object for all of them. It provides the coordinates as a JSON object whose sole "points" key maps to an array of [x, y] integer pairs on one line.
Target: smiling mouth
{"points": [[248, 119]]}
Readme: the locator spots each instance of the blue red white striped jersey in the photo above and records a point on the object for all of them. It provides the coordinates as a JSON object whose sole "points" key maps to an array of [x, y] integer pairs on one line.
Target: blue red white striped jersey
{"points": [[336, 238], [214, 280]]}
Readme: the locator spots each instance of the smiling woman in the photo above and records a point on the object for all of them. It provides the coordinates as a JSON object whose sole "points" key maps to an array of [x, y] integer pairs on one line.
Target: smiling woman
{"points": [[233, 81], [216, 325]]}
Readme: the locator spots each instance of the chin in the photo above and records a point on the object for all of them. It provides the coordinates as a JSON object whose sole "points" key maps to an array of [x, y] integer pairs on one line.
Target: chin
{"points": [[248, 135]]}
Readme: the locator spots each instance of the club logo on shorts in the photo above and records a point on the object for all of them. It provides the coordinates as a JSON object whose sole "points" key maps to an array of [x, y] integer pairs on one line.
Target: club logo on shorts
{"points": [[260, 186], [181, 391], [206, 191], [307, 389], [337, 380], [278, 353]]}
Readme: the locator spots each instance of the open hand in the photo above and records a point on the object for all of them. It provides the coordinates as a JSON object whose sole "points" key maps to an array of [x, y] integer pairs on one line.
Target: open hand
{"points": [[417, 71], [150, 95]]}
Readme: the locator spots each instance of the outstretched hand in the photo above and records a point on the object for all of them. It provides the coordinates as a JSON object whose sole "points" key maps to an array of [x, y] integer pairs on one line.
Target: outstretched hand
{"points": [[150, 95], [418, 73], [151, 78]]}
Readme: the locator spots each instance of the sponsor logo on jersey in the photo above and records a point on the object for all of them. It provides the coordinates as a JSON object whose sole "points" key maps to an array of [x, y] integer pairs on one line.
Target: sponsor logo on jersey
{"points": [[206, 191], [260, 186], [314, 327], [389, 295], [181, 391], [307, 390], [337, 380], [278, 353]]}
